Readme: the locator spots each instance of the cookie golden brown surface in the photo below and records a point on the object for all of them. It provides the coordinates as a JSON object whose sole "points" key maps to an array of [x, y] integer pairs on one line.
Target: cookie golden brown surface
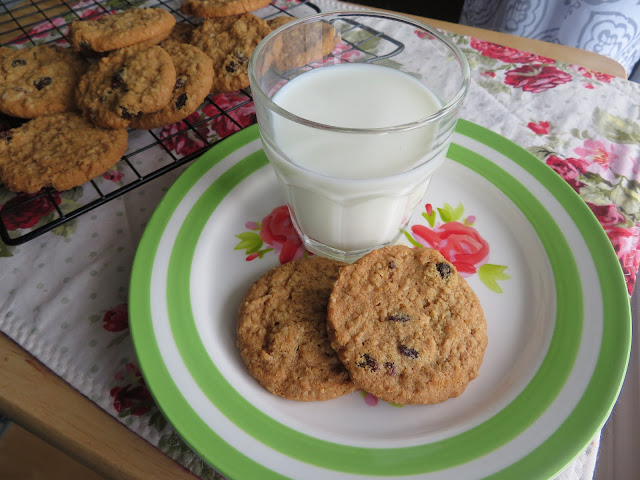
{"points": [[406, 326], [128, 82], [302, 44], [282, 331], [220, 8], [122, 29], [61, 151], [230, 41], [194, 77], [39, 80]]}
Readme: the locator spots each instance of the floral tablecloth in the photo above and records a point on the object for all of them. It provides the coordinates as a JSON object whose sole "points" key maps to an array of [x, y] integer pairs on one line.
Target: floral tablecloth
{"points": [[64, 295]]}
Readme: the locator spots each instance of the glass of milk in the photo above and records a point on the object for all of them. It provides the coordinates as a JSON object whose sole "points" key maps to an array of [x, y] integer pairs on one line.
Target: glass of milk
{"points": [[356, 111]]}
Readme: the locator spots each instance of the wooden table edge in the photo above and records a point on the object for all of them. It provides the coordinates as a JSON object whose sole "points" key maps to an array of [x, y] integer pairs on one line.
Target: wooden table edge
{"points": [[39, 401], [562, 53]]}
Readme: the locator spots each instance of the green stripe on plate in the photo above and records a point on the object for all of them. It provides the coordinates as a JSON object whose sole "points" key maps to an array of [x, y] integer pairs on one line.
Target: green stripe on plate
{"points": [[394, 461], [596, 404], [166, 394]]}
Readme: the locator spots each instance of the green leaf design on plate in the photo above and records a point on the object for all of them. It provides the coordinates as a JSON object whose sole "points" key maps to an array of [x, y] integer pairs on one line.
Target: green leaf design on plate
{"points": [[261, 253], [490, 275], [411, 239], [249, 241], [450, 214], [430, 218]]}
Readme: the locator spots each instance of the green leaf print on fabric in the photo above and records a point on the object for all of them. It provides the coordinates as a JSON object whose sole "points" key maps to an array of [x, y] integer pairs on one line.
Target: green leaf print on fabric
{"points": [[540, 152], [616, 129], [385, 62], [365, 40], [176, 448], [157, 421], [493, 87], [5, 250], [66, 229], [626, 195]]}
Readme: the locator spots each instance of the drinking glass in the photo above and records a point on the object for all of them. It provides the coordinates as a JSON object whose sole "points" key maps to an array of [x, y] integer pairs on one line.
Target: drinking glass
{"points": [[356, 111]]}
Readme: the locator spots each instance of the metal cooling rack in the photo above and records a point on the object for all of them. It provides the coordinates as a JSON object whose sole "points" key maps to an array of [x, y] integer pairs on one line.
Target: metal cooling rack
{"points": [[151, 153]]}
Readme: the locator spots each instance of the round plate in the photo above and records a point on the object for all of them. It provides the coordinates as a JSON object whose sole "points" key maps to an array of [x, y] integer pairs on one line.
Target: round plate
{"points": [[552, 289]]}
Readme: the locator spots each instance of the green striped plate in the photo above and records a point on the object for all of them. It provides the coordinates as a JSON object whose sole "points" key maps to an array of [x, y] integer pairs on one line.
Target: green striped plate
{"points": [[559, 327]]}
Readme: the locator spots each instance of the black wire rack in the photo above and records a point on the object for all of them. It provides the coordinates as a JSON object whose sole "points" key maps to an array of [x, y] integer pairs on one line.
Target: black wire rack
{"points": [[150, 153]]}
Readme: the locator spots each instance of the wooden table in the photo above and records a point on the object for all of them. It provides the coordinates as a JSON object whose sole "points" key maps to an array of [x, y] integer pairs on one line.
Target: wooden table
{"points": [[35, 398]]}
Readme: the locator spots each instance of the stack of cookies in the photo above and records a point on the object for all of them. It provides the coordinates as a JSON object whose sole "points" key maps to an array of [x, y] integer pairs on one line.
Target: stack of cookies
{"points": [[400, 323], [133, 69]]}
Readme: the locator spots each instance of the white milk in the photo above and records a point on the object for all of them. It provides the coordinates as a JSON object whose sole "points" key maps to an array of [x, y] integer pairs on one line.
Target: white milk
{"points": [[354, 191]]}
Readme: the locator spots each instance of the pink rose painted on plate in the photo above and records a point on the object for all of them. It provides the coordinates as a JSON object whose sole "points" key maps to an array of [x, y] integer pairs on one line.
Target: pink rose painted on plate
{"points": [[456, 238], [276, 230]]}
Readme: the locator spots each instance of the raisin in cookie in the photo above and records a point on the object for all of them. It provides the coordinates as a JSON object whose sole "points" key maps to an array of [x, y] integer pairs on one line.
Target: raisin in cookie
{"points": [[220, 8], [230, 41], [194, 77], [39, 80], [122, 29], [128, 82], [282, 331], [407, 327], [62, 151]]}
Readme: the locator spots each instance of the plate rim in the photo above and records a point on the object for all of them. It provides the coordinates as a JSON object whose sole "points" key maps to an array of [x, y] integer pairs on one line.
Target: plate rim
{"points": [[466, 128]]}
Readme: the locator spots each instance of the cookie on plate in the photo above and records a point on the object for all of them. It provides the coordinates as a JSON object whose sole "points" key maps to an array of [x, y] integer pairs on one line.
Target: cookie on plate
{"points": [[122, 29], [230, 41], [39, 80], [220, 8], [194, 77], [61, 151], [128, 82], [282, 331], [408, 328]]}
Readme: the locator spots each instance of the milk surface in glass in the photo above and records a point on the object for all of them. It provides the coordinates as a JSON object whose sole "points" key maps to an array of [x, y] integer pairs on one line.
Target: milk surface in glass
{"points": [[354, 190]]}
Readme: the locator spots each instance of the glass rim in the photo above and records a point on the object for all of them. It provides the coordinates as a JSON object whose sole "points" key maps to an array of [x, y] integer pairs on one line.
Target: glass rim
{"points": [[442, 112]]}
